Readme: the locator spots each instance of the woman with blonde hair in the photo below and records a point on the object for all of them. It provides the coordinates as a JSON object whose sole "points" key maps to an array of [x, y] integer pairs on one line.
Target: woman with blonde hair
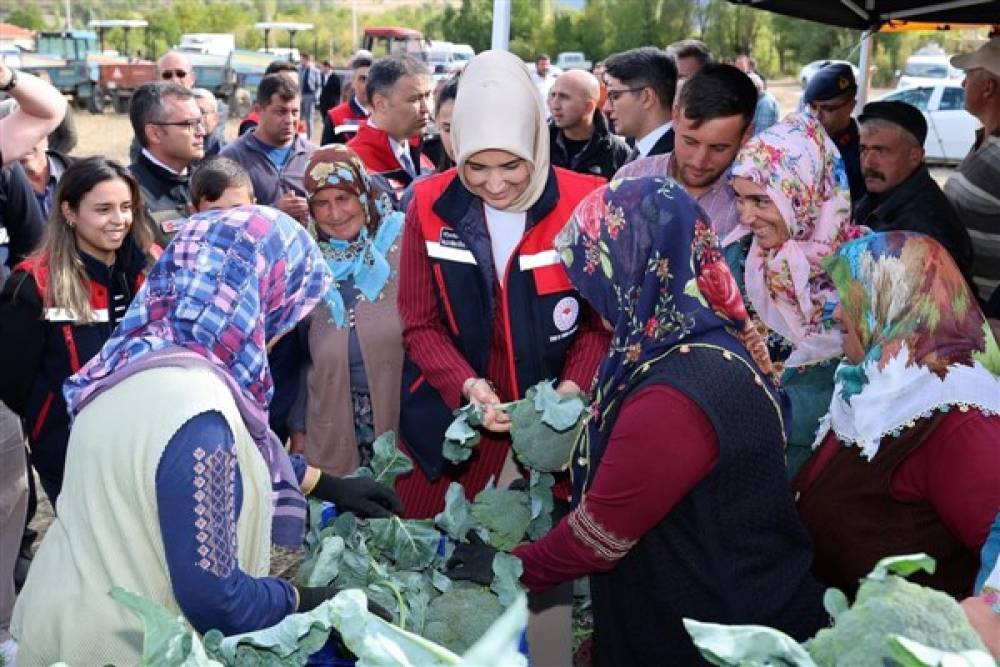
{"points": [[61, 303]]}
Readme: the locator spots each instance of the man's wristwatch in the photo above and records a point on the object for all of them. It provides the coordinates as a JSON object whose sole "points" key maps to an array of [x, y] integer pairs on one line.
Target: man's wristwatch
{"points": [[11, 82]]}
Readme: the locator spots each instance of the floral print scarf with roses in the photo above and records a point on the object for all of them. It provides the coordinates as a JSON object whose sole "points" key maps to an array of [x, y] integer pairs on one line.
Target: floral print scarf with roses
{"points": [[800, 169], [927, 345], [643, 254]]}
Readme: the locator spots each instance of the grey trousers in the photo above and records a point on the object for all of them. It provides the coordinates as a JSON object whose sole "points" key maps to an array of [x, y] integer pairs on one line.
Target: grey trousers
{"points": [[13, 508]]}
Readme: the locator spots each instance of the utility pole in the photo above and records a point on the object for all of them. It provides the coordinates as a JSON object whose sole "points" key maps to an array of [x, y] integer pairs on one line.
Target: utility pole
{"points": [[501, 25], [354, 25], [69, 17]]}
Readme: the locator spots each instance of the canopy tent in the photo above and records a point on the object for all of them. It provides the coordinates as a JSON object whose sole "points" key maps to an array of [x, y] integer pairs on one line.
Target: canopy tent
{"points": [[870, 16], [873, 14]]}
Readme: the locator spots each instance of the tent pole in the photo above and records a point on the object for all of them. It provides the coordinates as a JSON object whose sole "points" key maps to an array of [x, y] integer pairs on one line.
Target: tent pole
{"points": [[501, 25], [864, 64]]}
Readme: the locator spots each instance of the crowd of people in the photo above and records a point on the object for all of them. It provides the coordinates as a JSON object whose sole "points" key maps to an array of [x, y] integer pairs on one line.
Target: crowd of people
{"points": [[786, 329]]}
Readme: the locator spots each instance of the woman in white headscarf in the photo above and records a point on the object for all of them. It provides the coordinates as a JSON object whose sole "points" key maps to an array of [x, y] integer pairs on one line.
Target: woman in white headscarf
{"points": [[477, 249], [487, 307]]}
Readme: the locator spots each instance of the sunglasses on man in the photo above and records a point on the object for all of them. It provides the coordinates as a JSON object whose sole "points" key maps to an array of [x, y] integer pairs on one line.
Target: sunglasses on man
{"points": [[168, 74]]}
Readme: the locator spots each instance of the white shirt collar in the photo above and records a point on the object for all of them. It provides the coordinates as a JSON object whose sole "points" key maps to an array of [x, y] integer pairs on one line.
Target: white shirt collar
{"points": [[399, 148], [646, 144], [152, 158]]}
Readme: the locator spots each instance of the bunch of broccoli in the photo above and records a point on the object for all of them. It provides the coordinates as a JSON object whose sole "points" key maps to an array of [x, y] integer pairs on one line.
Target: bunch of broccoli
{"points": [[400, 563], [892, 623]]}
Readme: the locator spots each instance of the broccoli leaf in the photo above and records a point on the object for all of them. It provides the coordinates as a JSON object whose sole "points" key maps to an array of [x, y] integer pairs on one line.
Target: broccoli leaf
{"points": [[377, 643], [324, 567], [544, 428], [417, 591], [507, 571], [167, 639], [461, 435], [559, 412], [907, 653], [290, 642], [835, 602], [411, 544], [456, 452], [345, 526], [505, 514], [542, 504], [746, 645], [903, 566], [441, 582], [387, 461], [456, 519]]}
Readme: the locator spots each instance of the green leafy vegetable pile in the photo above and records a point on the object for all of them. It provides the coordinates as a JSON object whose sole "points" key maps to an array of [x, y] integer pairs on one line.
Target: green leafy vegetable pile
{"points": [[169, 642], [400, 563], [544, 426], [893, 622]]}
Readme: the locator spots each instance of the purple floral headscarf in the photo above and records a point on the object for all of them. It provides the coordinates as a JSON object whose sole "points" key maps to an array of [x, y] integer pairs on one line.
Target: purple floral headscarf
{"points": [[644, 255], [230, 281]]}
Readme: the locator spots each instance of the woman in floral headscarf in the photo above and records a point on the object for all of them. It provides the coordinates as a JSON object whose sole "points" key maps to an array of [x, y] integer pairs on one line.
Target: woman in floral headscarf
{"points": [[917, 404], [355, 336], [175, 485], [795, 209], [682, 507]]}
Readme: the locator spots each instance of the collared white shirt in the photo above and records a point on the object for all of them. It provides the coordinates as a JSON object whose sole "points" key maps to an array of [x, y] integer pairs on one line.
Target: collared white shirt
{"points": [[152, 158], [646, 144]]}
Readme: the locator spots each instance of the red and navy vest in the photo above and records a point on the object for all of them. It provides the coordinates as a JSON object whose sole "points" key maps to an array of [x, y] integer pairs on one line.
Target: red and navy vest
{"points": [[541, 308]]}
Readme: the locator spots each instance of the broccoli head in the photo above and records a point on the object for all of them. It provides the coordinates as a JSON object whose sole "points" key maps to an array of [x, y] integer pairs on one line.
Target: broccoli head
{"points": [[457, 618], [505, 514], [860, 636]]}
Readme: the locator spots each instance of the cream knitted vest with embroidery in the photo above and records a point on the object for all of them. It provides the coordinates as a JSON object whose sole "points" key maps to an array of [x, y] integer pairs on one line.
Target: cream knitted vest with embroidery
{"points": [[107, 532]]}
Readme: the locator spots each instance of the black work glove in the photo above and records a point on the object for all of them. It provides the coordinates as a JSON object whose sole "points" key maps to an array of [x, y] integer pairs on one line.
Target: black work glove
{"points": [[311, 597], [361, 495], [472, 561]]}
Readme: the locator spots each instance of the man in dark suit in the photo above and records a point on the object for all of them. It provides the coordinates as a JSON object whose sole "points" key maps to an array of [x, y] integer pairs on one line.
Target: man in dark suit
{"points": [[641, 84]]}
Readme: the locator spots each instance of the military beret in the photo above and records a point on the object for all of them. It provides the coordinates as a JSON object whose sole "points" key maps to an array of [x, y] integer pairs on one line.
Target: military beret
{"points": [[832, 81]]}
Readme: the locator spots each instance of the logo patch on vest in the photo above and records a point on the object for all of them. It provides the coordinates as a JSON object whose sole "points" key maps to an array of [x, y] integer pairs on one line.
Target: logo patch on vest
{"points": [[565, 313]]}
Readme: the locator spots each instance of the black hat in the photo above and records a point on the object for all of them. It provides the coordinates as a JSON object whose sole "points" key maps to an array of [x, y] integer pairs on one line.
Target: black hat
{"points": [[905, 115], [834, 80]]}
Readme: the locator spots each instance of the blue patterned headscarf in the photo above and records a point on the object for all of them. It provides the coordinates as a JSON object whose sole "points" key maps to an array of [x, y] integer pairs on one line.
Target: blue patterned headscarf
{"points": [[362, 260], [231, 281], [644, 255]]}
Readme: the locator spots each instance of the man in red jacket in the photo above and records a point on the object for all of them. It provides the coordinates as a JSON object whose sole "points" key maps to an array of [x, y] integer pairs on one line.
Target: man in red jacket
{"points": [[399, 91], [340, 123]]}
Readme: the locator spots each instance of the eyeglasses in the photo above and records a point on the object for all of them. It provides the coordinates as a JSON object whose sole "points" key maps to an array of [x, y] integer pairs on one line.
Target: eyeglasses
{"points": [[829, 108], [614, 95], [171, 73], [190, 125]]}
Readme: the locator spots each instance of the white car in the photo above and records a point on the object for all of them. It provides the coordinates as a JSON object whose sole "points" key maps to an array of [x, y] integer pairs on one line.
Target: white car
{"points": [[951, 130], [809, 70], [928, 70]]}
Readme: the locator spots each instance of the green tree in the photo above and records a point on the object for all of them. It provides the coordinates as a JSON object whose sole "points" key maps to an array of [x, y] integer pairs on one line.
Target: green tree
{"points": [[29, 17]]}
